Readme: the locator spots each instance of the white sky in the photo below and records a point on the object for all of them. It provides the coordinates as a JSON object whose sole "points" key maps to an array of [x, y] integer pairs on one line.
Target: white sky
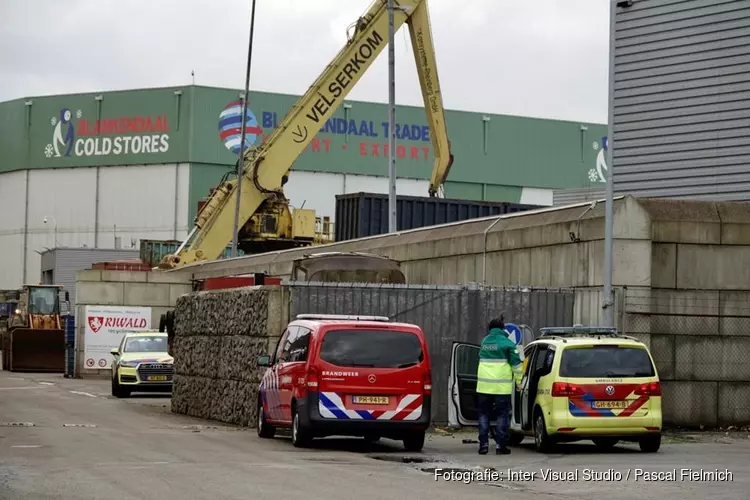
{"points": [[542, 58]]}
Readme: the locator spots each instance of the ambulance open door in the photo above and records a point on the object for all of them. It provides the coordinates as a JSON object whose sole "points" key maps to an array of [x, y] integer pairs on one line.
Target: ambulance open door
{"points": [[462, 380]]}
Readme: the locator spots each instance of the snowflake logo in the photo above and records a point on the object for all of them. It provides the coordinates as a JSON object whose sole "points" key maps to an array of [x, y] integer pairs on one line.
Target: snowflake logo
{"points": [[53, 121], [48, 150], [79, 113], [593, 176], [595, 146]]}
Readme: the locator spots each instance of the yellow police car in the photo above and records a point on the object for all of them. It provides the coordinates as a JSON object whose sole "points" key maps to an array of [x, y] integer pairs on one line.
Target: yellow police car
{"points": [[142, 364], [579, 383]]}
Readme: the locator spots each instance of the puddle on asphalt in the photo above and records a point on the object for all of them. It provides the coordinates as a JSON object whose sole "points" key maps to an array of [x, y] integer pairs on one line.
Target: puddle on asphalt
{"points": [[403, 460], [444, 467]]}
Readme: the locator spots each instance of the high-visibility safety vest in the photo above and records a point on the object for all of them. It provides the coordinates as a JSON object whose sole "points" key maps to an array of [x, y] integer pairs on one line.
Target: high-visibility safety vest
{"points": [[499, 364]]}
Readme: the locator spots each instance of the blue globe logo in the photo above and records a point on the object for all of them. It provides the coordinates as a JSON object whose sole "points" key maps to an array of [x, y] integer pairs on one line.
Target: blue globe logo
{"points": [[230, 127]]}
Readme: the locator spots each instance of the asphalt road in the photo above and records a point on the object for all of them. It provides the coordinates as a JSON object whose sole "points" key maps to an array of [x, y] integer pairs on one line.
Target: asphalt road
{"points": [[84, 444]]}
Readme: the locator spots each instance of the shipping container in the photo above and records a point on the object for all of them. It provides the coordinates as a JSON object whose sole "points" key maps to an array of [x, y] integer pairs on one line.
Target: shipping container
{"points": [[152, 251], [359, 215], [235, 282]]}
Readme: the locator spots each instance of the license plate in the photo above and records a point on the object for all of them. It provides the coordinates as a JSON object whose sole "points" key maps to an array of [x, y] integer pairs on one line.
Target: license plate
{"points": [[370, 400], [610, 404], [157, 378]]}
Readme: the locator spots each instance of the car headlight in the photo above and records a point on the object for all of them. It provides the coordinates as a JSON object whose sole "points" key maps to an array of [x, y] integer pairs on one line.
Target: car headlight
{"points": [[129, 364]]}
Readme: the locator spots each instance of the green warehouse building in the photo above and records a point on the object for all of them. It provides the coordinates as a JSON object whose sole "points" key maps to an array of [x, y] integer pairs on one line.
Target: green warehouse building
{"points": [[106, 169]]}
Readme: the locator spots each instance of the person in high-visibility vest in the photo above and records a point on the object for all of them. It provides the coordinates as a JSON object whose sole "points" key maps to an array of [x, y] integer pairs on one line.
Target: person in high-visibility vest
{"points": [[500, 370]]}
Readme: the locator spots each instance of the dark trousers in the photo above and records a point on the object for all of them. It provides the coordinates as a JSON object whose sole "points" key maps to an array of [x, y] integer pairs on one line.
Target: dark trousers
{"points": [[498, 406]]}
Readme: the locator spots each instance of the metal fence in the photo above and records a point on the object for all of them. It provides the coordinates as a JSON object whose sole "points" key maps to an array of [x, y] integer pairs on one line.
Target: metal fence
{"points": [[445, 313], [700, 341]]}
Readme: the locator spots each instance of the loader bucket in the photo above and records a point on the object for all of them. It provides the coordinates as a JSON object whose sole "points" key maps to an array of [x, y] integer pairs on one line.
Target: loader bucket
{"points": [[36, 350]]}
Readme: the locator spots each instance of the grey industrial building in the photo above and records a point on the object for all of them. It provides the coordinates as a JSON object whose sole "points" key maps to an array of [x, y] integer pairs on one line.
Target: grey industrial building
{"points": [[680, 111], [59, 265], [682, 90]]}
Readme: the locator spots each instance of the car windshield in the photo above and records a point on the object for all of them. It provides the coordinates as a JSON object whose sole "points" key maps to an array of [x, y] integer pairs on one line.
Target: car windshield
{"points": [[156, 343], [371, 348], [605, 362]]}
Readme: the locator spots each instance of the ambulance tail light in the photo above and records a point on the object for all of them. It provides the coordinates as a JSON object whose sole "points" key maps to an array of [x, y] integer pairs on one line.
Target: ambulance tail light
{"points": [[652, 389], [427, 382], [566, 390], [312, 378]]}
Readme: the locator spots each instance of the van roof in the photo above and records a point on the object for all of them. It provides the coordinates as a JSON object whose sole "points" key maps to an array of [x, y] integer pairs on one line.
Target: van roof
{"points": [[384, 325]]}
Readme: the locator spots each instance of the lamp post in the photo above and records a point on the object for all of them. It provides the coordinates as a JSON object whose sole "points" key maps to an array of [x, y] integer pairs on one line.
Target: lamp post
{"points": [[392, 217], [241, 162], [46, 219], [609, 200]]}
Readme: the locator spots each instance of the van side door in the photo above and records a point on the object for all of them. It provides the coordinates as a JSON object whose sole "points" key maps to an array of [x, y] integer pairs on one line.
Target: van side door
{"points": [[270, 383], [292, 367]]}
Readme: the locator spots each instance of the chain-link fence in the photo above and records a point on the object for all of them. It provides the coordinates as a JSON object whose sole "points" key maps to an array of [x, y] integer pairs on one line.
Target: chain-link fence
{"points": [[700, 341], [447, 314]]}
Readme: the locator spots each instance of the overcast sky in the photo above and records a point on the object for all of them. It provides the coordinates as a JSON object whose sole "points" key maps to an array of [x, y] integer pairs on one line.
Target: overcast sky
{"points": [[543, 58]]}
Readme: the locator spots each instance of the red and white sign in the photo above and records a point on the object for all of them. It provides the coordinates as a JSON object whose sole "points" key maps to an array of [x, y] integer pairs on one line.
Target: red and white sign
{"points": [[105, 327]]}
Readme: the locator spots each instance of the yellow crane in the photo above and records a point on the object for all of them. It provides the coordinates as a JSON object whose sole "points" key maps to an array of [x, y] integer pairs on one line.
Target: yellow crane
{"points": [[264, 210]]}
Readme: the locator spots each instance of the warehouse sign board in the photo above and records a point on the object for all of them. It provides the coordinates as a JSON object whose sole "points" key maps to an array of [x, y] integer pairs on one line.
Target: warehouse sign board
{"points": [[119, 135], [368, 137], [104, 329], [596, 174]]}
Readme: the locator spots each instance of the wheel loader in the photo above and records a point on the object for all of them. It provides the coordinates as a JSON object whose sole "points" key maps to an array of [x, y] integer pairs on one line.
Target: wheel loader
{"points": [[33, 334]]}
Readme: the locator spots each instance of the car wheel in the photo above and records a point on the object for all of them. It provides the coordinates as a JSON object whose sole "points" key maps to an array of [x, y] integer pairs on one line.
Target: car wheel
{"points": [[265, 430], [542, 441], [300, 436], [117, 390], [414, 442], [515, 438], [605, 443], [650, 444]]}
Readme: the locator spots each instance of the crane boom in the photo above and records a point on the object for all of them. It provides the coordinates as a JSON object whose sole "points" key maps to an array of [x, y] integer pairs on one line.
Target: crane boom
{"points": [[267, 166]]}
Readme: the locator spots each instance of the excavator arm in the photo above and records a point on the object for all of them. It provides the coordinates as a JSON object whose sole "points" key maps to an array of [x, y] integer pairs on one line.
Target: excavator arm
{"points": [[267, 166]]}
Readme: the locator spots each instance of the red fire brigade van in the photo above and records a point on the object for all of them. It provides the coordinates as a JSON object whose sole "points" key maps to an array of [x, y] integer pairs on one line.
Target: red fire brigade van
{"points": [[347, 376]]}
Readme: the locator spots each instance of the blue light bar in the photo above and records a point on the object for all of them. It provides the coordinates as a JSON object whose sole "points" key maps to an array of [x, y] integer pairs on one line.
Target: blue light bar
{"points": [[579, 330]]}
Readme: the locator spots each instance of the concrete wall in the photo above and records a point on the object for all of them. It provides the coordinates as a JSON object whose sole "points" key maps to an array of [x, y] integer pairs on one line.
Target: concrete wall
{"points": [[681, 277], [157, 290], [525, 249], [695, 315]]}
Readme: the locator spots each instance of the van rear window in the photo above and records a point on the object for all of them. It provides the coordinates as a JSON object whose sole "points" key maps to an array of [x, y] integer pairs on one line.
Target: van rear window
{"points": [[371, 348], [606, 361]]}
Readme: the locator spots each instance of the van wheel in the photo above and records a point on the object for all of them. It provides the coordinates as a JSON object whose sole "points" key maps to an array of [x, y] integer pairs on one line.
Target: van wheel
{"points": [[605, 443], [650, 444], [414, 442], [515, 438], [265, 430], [300, 436], [542, 441]]}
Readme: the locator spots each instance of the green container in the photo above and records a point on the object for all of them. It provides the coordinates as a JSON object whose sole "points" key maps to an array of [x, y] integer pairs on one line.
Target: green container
{"points": [[153, 251]]}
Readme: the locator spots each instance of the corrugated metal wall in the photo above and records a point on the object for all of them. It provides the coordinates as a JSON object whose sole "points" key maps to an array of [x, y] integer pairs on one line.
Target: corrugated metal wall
{"points": [[12, 203], [64, 262], [98, 207], [562, 197], [445, 313], [682, 92]]}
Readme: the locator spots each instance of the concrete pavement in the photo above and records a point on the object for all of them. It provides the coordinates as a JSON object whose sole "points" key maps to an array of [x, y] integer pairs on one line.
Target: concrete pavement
{"points": [[68, 439]]}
